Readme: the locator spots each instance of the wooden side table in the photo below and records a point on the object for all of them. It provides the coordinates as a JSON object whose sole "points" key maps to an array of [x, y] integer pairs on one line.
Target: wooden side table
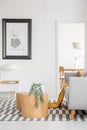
{"points": [[26, 104]]}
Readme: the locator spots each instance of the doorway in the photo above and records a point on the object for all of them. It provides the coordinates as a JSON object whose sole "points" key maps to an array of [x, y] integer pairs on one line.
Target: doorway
{"points": [[70, 46]]}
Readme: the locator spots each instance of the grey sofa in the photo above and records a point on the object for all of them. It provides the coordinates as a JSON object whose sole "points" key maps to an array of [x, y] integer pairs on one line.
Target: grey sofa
{"points": [[76, 94]]}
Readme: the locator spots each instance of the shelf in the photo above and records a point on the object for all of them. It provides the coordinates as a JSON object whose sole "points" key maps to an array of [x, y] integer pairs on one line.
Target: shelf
{"points": [[9, 82]]}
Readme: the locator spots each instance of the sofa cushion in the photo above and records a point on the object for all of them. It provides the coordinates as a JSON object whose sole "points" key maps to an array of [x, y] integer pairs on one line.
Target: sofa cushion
{"points": [[78, 93], [70, 74]]}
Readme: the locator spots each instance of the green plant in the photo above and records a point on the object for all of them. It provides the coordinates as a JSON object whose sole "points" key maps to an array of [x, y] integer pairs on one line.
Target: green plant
{"points": [[36, 90]]}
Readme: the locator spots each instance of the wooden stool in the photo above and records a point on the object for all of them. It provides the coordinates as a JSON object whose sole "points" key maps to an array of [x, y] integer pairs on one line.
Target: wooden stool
{"points": [[27, 105]]}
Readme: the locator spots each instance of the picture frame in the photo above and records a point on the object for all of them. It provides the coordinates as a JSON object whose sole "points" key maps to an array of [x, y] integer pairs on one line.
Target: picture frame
{"points": [[16, 38]]}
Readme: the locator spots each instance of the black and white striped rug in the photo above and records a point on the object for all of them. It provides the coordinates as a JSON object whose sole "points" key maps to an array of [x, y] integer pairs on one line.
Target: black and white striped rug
{"points": [[8, 112]]}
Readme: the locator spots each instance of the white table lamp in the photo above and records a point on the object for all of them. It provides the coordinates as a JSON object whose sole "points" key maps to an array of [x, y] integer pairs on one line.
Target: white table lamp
{"points": [[8, 67], [77, 47]]}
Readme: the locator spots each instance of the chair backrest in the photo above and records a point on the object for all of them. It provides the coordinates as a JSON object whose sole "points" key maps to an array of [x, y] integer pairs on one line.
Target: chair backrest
{"points": [[78, 93], [64, 74]]}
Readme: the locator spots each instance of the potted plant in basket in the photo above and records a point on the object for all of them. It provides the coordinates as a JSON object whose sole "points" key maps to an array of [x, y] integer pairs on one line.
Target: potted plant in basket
{"points": [[36, 91]]}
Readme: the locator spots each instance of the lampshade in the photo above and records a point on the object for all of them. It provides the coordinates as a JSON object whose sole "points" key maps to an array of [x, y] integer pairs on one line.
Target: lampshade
{"points": [[7, 67], [76, 45]]}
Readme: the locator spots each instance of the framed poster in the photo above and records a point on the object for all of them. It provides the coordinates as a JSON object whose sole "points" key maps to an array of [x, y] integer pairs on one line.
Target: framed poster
{"points": [[16, 35]]}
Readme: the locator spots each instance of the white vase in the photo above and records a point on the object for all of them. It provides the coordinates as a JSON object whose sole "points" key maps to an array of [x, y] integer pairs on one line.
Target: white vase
{"points": [[43, 89]]}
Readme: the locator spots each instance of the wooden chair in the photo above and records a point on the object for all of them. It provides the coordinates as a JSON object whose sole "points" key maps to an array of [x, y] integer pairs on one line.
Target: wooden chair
{"points": [[63, 71]]}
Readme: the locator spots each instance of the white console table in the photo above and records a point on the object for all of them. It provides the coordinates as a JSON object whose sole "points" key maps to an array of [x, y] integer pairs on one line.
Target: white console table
{"points": [[11, 86]]}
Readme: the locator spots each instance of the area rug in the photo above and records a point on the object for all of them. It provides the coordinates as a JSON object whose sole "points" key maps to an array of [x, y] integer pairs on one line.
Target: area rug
{"points": [[8, 112]]}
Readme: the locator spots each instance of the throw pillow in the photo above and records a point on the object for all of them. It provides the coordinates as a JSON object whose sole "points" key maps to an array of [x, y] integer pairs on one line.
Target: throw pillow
{"points": [[84, 74]]}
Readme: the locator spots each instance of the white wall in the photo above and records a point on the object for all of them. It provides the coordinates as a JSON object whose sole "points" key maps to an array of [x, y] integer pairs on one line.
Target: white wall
{"points": [[42, 68]]}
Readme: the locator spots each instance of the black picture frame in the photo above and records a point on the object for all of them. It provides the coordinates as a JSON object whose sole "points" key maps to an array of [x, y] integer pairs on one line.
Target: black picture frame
{"points": [[16, 38]]}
